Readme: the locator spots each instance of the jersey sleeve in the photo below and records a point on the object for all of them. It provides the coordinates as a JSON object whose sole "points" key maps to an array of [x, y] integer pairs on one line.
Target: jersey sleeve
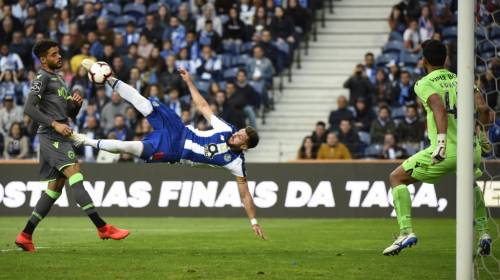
{"points": [[424, 89], [38, 85], [237, 167], [219, 125]]}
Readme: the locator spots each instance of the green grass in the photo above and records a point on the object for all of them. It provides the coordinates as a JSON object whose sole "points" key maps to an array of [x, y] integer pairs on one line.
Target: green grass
{"points": [[189, 248]]}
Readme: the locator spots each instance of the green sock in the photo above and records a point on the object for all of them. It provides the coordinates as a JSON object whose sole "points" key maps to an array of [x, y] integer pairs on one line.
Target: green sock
{"points": [[402, 204], [481, 217]]}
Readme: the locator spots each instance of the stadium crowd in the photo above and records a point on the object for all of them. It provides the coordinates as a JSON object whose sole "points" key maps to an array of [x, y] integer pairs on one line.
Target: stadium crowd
{"points": [[232, 48], [382, 118]]}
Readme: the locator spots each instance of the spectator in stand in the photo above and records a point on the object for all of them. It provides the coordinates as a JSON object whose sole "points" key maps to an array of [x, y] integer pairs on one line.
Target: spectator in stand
{"points": [[10, 61], [91, 129], [349, 137], [96, 47], [270, 49], [120, 129], [426, 27], [22, 48], [174, 103], [382, 125], [131, 35], [119, 70], [64, 21], [192, 45], [7, 15], [282, 27], [104, 34], [209, 37], [397, 20], [131, 120], [333, 149], [155, 91], [209, 65], [260, 20], [359, 85], [410, 131], [403, 92], [247, 12], [299, 15], [234, 28], [10, 113], [20, 10], [183, 61], [136, 81], [101, 98], [185, 18], [9, 85], [307, 150], [144, 48], [87, 21], [319, 134], [116, 107], [391, 150], [119, 45], [369, 66], [342, 113], [383, 89], [261, 71], [363, 115], [76, 60], [252, 97], [393, 72], [209, 14], [236, 103], [411, 37], [152, 30], [16, 144]]}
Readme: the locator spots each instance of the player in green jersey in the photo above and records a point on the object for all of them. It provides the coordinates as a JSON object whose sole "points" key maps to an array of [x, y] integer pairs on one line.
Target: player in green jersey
{"points": [[438, 93]]}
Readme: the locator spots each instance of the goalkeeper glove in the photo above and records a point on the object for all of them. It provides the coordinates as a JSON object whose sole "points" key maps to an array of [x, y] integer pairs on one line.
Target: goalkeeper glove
{"points": [[439, 153]]}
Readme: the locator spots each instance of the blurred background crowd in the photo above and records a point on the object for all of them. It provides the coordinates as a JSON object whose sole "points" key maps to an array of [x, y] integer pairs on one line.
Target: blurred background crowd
{"points": [[232, 48], [381, 117]]}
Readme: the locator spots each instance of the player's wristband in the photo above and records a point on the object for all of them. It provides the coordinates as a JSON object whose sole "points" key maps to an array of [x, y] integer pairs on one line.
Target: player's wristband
{"points": [[253, 222], [441, 138]]}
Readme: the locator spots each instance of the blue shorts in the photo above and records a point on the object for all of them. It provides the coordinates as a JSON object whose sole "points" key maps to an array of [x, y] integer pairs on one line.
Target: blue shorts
{"points": [[166, 142]]}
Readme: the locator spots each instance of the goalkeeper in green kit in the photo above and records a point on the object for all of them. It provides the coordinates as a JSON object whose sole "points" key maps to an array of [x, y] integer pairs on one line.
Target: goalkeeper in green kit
{"points": [[438, 93]]}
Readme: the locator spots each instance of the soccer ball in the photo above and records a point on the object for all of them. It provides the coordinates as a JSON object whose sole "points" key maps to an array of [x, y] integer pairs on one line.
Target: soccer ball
{"points": [[99, 72]]}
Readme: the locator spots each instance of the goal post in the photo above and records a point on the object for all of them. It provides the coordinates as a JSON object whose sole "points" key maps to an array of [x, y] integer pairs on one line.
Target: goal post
{"points": [[465, 153]]}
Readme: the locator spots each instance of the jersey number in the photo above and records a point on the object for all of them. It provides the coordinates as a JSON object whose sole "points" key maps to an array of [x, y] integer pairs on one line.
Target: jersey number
{"points": [[450, 110]]}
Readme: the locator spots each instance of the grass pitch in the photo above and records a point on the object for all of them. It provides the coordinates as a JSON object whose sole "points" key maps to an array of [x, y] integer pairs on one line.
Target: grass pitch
{"points": [[222, 248]]}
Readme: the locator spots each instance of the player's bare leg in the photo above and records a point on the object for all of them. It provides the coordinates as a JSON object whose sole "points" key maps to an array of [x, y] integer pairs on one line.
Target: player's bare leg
{"points": [[400, 179], [140, 103]]}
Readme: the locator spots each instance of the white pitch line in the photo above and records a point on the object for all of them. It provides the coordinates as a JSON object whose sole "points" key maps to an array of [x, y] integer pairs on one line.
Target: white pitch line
{"points": [[19, 249]]}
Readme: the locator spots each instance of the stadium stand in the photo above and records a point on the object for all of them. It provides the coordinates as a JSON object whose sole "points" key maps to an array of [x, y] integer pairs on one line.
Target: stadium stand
{"points": [[402, 132], [251, 45]]}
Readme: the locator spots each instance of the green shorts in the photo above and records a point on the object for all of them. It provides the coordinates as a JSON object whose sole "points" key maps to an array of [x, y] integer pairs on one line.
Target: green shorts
{"points": [[56, 153], [421, 168]]}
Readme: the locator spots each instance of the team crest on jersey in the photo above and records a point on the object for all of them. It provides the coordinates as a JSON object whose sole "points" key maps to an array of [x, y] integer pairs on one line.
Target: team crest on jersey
{"points": [[211, 150], [222, 137], [36, 86], [155, 104], [227, 157]]}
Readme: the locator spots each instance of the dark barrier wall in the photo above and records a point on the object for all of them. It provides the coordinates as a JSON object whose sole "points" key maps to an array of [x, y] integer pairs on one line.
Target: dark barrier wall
{"points": [[280, 190]]}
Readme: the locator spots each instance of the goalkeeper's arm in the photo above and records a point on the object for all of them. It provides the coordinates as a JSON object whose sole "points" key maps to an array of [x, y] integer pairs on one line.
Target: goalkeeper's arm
{"points": [[441, 118]]}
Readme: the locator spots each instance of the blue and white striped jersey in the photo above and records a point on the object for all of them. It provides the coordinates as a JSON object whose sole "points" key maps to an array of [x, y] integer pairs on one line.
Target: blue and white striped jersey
{"points": [[210, 147]]}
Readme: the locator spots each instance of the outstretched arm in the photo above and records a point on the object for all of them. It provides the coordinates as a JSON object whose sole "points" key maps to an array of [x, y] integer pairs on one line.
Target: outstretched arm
{"points": [[198, 100], [247, 200]]}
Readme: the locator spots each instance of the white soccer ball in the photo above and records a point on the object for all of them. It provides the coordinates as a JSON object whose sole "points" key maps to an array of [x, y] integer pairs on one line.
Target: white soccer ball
{"points": [[99, 72]]}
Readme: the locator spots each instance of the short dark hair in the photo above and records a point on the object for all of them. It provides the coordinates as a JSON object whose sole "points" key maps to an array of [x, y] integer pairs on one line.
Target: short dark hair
{"points": [[253, 137], [40, 49], [242, 70], [404, 72], [434, 52], [369, 54], [321, 123]]}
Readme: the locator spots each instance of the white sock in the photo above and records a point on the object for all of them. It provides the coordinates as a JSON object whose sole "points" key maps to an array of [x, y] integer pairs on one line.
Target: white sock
{"points": [[131, 95], [116, 146]]}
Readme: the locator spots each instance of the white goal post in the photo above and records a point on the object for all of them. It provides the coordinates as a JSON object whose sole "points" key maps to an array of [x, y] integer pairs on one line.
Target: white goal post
{"points": [[465, 154]]}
